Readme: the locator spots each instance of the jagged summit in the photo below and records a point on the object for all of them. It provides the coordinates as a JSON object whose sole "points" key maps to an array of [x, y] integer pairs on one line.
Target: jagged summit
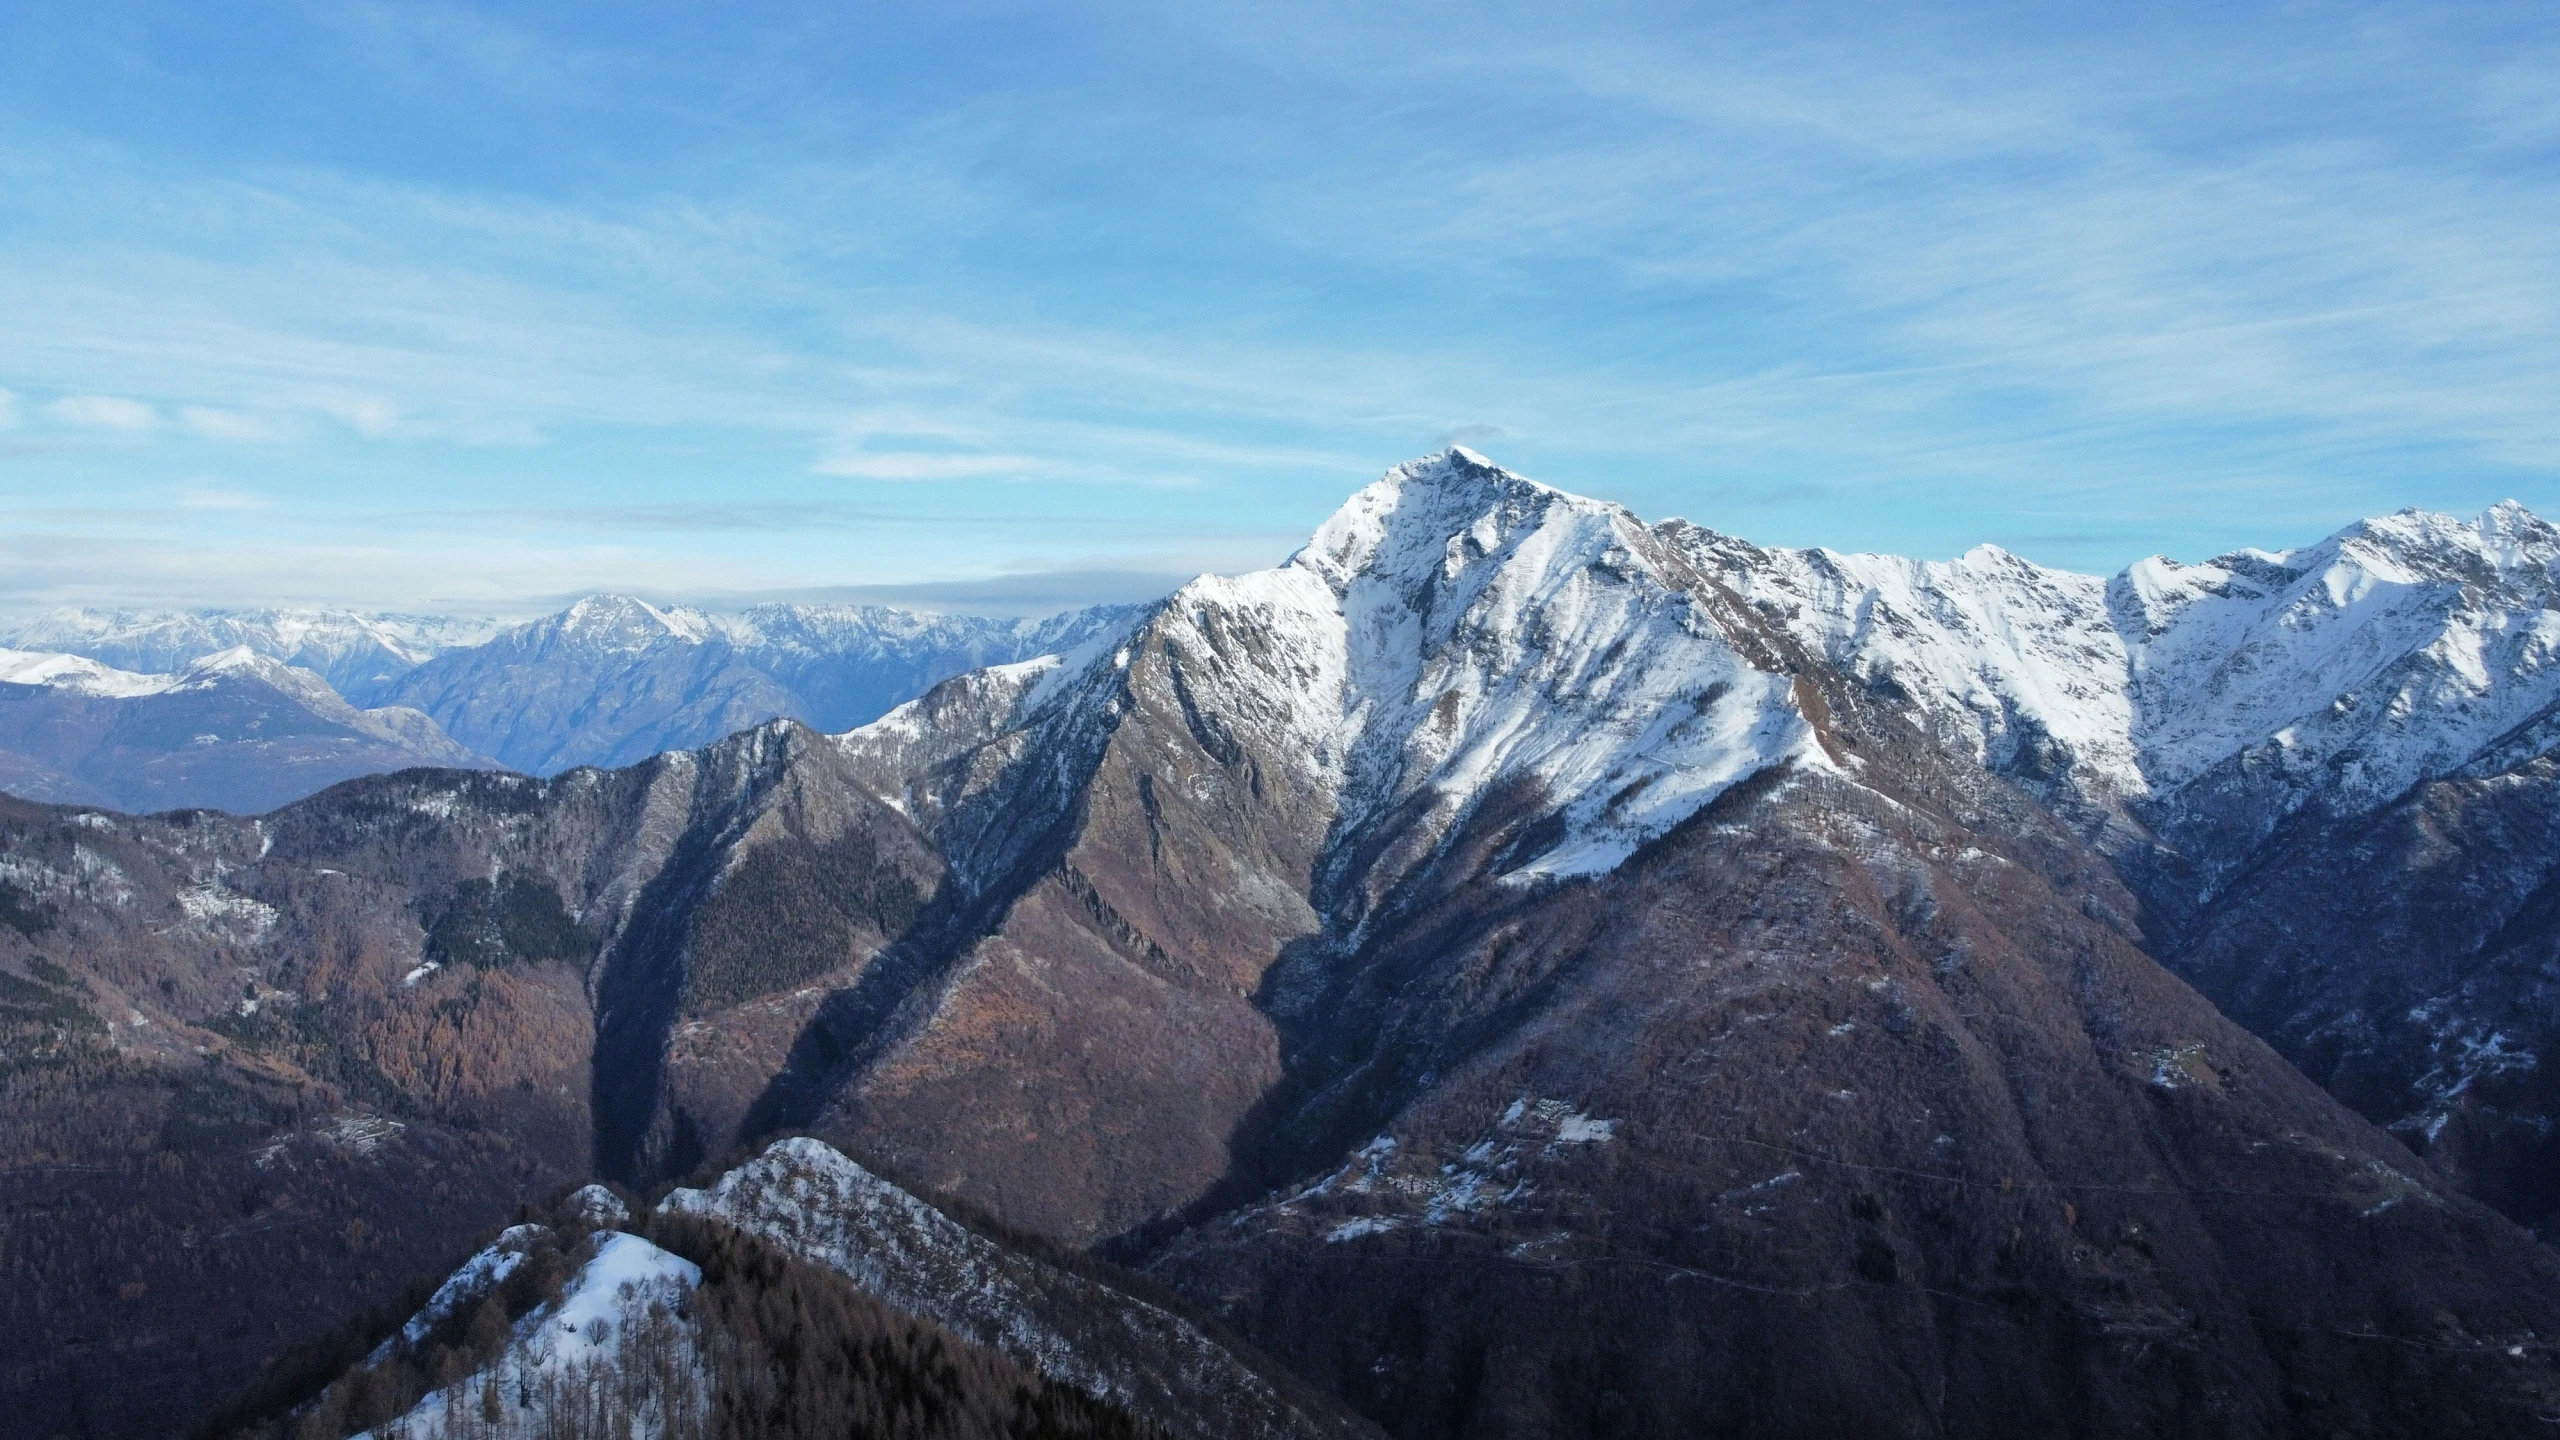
{"points": [[237, 660], [2411, 545], [607, 621], [1457, 632], [1406, 515]]}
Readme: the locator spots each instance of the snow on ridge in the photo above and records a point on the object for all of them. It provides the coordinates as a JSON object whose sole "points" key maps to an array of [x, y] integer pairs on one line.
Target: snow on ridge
{"points": [[1993, 649], [807, 1197], [584, 1336], [236, 658], [2400, 647], [613, 621], [2392, 652], [78, 675], [1499, 631], [178, 637], [813, 1202], [1454, 631], [483, 1272]]}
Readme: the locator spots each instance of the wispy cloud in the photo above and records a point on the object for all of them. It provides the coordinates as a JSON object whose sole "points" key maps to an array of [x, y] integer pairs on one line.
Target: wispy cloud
{"points": [[914, 465], [219, 424], [1475, 435], [1902, 283], [199, 498], [104, 412]]}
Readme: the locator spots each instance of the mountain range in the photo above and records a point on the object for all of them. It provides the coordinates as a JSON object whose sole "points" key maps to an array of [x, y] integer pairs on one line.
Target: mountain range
{"points": [[247, 710], [1519, 969], [612, 680], [234, 730]]}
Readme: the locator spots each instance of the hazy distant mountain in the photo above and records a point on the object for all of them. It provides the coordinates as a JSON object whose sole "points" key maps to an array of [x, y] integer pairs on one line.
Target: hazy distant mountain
{"points": [[612, 680], [1534, 972], [360, 655], [608, 681], [234, 731]]}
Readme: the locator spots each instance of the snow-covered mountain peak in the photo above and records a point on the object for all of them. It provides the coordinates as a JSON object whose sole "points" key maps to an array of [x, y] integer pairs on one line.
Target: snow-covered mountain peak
{"points": [[1990, 557], [2518, 535], [359, 654], [1414, 518], [2506, 544], [609, 621], [1457, 631], [244, 663], [239, 659], [75, 674], [2224, 694]]}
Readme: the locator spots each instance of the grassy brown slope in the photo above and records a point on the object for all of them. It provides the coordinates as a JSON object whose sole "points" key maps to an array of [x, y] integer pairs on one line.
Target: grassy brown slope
{"points": [[1899, 1108]]}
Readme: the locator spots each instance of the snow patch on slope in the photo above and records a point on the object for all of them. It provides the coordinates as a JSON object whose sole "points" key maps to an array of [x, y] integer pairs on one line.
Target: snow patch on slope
{"points": [[576, 1345], [806, 1198]]}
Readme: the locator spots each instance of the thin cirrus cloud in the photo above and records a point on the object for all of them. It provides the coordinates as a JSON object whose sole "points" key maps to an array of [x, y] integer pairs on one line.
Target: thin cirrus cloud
{"points": [[201, 498], [218, 424], [104, 412], [911, 465], [2088, 285]]}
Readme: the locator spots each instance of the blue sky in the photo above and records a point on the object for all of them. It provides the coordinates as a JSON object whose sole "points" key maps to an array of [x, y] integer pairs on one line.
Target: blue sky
{"points": [[434, 306]]}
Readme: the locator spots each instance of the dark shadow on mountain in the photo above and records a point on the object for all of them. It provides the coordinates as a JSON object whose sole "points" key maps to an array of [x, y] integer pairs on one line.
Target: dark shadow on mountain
{"points": [[637, 1000], [1024, 844], [1354, 1048]]}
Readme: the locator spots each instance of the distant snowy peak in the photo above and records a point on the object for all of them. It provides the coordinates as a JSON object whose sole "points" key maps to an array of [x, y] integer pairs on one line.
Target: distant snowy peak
{"points": [[236, 730], [2222, 694], [607, 624], [238, 660], [836, 629], [613, 679], [76, 674], [229, 671], [79, 675], [357, 653]]}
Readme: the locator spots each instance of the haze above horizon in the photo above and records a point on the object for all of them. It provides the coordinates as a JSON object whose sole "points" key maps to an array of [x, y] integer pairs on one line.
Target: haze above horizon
{"points": [[472, 308]]}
